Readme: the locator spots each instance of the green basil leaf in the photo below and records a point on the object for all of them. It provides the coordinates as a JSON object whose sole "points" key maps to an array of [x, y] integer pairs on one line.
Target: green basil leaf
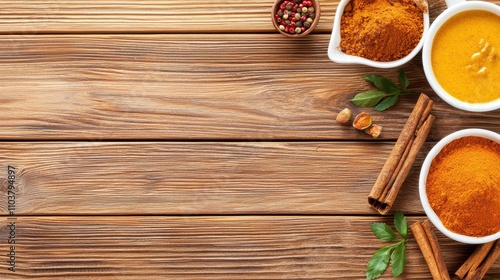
{"points": [[401, 224], [368, 98], [383, 83], [403, 80], [383, 231], [387, 103], [398, 259], [378, 263]]}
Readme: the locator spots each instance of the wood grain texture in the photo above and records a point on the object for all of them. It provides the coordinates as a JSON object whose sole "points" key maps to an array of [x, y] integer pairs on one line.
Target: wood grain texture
{"points": [[74, 178], [152, 16], [154, 116], [237, 247], [114, 16], [177, 16], [98, 87]]}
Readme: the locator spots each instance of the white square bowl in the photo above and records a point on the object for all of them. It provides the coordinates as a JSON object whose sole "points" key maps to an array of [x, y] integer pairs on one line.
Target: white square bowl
{"points": [[336, 55]]}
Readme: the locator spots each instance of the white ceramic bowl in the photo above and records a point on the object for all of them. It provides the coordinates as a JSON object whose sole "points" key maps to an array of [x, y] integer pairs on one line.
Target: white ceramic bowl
{"points": [[336, 55], [423, 179], [457, 7]]}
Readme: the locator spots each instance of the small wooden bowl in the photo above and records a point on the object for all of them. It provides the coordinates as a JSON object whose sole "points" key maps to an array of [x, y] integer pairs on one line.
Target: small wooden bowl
{"points": [[317, 11]]}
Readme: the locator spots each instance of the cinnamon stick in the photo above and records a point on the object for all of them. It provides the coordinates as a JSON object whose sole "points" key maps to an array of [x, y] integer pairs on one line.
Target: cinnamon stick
{"points": [[436, 250], [429, 245], [481, 260], [401, 143], [408, 163], [402, 157], [425, 113], [396, 171]]}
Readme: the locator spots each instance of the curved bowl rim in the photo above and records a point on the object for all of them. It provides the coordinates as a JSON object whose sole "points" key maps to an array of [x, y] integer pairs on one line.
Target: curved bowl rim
{"points": [[426, 56], [423, 178], [317, 7], [336, 55]]}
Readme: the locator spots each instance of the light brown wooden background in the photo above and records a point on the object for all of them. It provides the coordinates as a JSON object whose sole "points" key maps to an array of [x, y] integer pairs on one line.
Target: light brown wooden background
{"points": [[187, 140]]}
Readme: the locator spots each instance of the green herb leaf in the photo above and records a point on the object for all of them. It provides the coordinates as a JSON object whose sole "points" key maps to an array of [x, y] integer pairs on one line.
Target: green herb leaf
{"points": [[403, 80], [383, 83], [387, 103], [388, 94], [368, 98], [383, 231], [378, 263], [398, 259], [401, 224], [380, 260]]}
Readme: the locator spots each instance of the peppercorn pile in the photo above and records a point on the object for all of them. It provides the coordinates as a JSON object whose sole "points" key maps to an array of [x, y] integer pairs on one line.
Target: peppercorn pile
{"points": [[295, 16]]}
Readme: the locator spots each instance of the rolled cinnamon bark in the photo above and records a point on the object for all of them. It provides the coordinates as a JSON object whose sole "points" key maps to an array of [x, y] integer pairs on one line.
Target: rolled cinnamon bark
{"points": [[408, 163], [402, 157], [436, 250], [429, 245], [481, 260]]}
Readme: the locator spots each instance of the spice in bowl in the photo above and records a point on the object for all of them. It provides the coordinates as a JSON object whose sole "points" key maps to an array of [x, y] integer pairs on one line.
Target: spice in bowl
{"points": [[463, 186], [295, 17], [464, 56], [381, 30]]}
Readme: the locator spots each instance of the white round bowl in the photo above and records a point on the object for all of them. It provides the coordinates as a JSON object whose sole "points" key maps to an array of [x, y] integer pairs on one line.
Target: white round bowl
{"points": [[337, 55], [423, 179], [426, 55]]}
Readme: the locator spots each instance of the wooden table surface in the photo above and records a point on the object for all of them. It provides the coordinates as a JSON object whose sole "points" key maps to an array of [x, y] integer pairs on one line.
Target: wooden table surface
{"points": [[186, 139]]}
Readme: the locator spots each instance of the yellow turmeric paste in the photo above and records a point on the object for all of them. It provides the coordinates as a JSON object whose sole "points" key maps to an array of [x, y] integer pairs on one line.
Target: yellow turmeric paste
{"points": [[381, 30], [463, 186], [465, 58]]}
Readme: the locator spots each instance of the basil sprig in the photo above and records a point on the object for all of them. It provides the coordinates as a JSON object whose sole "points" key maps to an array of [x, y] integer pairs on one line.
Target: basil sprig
{"points": [[395, 252], [386, 96]]}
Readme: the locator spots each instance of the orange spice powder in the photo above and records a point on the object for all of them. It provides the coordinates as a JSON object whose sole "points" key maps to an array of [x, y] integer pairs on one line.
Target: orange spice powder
{"points": [[381, 30], [463, 186]]}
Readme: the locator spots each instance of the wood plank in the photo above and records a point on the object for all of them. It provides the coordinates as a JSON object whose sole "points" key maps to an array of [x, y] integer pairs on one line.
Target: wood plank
{"points": [[112, 16], [88, 178], [181, 87], [152, 16], [232, 247]]}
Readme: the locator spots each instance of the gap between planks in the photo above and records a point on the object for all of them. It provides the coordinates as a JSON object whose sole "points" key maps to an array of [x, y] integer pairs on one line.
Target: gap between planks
{"points": [[243, 247], [114, 178]]}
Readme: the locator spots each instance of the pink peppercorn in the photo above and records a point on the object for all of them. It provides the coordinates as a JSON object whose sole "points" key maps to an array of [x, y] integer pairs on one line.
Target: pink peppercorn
{"points": [[294, 16]]}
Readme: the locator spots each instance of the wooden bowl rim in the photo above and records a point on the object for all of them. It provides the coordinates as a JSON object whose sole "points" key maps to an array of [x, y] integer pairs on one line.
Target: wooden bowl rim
{"points": [[317, 10]]}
